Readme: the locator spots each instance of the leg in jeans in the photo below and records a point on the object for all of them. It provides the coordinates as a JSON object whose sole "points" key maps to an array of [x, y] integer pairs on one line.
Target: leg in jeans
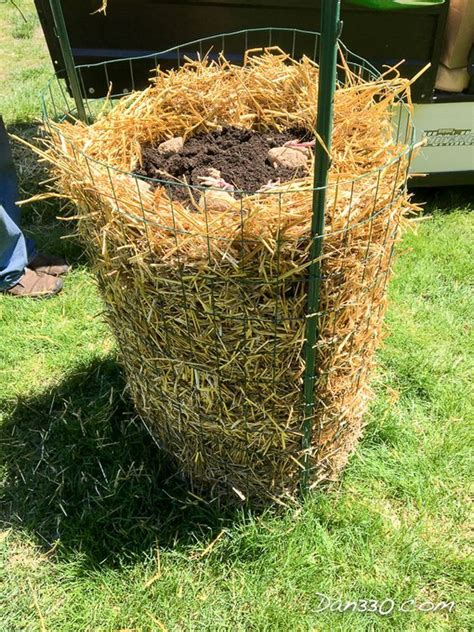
{"points": [[15, 249]]}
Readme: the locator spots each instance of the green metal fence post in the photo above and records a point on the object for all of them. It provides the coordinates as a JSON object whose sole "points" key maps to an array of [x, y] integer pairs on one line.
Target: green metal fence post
{"points": [[71, 71], [330, 29]]}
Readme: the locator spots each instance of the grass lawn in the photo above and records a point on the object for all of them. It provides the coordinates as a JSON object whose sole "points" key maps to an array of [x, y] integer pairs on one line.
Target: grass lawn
{"points": [[99, 534]]}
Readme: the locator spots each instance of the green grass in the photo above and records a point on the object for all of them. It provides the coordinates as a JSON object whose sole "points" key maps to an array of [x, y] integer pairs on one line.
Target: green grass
{"points": [[25, 64], [24, 24], [101, 534]]}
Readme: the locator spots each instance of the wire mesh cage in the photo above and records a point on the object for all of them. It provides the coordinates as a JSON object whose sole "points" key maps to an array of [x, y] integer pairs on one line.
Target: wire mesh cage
{"points": [[208, 302]]}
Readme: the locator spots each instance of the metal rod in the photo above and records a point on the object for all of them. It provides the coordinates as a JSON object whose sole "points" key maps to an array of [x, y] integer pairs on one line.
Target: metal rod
{"points": [[61, 32], [330, 30]]}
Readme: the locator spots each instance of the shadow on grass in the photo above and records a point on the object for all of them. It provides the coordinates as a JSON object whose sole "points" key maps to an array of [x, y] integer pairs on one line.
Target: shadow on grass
{"points": [[81, 469], [444, 199]]}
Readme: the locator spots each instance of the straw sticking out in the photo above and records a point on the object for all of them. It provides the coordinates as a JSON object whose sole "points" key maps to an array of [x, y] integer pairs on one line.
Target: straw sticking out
{"points": [[208, 301]]}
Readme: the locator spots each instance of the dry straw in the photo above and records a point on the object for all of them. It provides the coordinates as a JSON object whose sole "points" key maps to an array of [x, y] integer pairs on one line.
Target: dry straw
{"points": [[208, 306]]}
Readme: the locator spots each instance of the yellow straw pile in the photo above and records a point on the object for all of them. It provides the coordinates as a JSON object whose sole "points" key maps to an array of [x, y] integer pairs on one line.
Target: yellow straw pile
{"points": [[208, 306]]}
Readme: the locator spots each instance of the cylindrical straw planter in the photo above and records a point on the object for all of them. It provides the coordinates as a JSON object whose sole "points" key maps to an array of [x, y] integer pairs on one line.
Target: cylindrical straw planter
{"points": [[206, 290]]}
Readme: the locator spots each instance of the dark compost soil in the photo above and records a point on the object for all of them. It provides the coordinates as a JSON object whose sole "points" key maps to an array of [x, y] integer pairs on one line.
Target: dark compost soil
{"points": [[239, 154]]}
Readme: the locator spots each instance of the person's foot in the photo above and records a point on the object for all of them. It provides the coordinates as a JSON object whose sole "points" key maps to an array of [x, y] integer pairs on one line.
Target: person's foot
{"points": [[48, 264], [35, 285]]}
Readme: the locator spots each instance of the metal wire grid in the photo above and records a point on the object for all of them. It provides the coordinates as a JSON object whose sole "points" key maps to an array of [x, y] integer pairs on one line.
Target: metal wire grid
{"points": [[187, 307]]}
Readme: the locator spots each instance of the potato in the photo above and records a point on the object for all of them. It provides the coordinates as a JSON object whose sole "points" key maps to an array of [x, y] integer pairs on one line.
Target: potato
{"points": [[290, 157]]}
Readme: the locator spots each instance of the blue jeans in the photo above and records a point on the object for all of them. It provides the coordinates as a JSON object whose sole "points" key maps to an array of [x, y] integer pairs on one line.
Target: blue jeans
{"points": [[15, 249]]}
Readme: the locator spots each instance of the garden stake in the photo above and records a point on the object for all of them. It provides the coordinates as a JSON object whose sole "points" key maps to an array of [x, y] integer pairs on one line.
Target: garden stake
{"points": [[330, 31]]}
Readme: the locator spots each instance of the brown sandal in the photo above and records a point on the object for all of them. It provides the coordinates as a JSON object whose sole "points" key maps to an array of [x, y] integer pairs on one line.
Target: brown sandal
{"points": [[35, 285]]}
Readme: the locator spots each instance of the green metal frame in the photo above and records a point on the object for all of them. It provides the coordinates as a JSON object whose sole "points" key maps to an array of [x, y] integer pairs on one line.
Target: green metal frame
{"points": [[330, 31], [61, 31]]}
